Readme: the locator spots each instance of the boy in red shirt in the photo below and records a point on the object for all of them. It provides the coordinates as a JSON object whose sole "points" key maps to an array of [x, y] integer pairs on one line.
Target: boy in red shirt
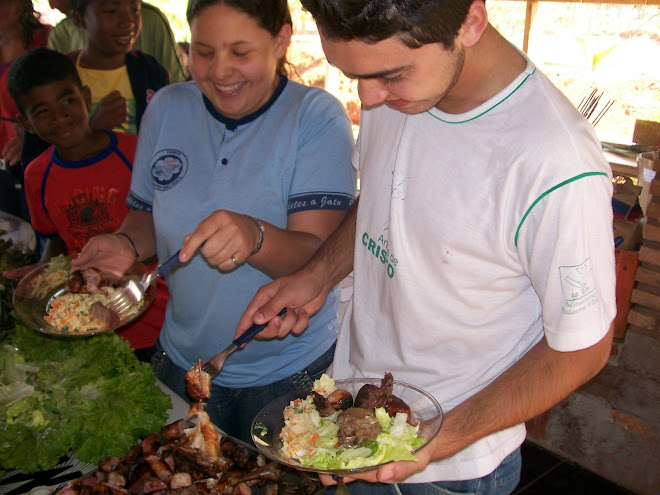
{"points": [[77, 188]]}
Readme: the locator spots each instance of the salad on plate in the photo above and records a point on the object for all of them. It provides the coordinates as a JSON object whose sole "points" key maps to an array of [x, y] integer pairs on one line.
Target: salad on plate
{"points": [[330, 430]]}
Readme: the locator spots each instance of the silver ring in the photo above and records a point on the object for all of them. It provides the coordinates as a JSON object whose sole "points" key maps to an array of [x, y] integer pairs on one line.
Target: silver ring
{"points": [[233, 258]]}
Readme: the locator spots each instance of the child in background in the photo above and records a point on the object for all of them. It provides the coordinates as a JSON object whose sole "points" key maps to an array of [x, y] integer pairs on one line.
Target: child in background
{"points": [[121, 80], [156, 38], [20, 30], [77, 188]]}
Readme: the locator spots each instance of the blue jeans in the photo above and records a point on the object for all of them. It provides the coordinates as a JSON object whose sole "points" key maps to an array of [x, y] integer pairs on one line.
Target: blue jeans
{"points": [[233, 409], [502, 481]]}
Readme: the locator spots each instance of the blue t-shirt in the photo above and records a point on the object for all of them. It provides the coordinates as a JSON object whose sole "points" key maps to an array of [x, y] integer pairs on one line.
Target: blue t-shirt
{"points": [[293, 154]]}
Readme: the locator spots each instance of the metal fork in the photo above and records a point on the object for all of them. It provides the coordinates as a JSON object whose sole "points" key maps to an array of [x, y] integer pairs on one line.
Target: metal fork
{"points": [[215, 364], [133, 287]]}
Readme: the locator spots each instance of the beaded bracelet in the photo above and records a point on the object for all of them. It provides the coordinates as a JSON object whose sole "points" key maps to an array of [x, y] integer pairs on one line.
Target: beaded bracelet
{"points": [[260, 226], [137, 256]]}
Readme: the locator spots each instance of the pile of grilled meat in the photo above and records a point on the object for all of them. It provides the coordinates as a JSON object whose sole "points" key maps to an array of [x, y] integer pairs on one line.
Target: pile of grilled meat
{"points": [[188, 458], [175, 462]]}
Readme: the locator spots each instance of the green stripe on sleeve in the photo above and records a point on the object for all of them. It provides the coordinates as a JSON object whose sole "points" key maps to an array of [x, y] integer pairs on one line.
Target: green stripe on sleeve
{"points": [[568, 181]]}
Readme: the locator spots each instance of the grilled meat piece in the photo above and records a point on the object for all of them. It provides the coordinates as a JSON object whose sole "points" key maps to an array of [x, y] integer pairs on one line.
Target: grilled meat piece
{"points": [[87, 281], [198, 382], [322, 404], [104, 317], [236, 452], [180, 480], [371, 396], [396, 405], [335, 401], [340, 399], [356, 425], [175, 430]]}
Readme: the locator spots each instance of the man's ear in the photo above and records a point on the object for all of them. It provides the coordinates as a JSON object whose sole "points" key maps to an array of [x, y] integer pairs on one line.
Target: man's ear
{"points": [[475, 24], [87, 97], [23, 121]]}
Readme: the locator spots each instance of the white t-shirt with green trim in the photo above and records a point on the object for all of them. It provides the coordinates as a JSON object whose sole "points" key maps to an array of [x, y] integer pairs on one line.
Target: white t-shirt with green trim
{"points": [[477, 235]]}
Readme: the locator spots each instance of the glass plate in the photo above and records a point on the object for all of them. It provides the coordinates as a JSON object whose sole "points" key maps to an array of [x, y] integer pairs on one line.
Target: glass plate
{"points": [[422, 404], [18, 230], [35, 291]]}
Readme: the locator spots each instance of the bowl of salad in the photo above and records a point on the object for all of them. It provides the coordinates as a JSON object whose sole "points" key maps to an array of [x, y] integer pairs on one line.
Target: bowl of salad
{"points": [[347, 426]]}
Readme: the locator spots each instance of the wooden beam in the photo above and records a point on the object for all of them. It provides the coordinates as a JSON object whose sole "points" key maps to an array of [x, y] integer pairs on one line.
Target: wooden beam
{"points": [[532, 7], [530, 13]]}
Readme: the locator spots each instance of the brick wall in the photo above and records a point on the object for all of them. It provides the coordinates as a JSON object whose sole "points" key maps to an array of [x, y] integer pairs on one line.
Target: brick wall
{"points": [[612, 424]]}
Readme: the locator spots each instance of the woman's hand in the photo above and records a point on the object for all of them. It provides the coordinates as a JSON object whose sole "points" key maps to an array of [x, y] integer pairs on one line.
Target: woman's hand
{"points": [[229, 238], [113, 254]]}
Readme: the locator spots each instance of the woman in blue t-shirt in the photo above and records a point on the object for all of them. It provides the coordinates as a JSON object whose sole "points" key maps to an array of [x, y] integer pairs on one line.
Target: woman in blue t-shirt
{"points": [[256, 167]]}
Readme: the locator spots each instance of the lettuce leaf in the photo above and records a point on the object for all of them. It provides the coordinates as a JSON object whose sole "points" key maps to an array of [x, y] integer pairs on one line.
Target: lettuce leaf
{"points": [[395, 442], [90, 396]]}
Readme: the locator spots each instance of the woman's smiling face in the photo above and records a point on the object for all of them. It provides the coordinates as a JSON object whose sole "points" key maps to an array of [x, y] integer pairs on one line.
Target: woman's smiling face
{"points": [[234, 60]]}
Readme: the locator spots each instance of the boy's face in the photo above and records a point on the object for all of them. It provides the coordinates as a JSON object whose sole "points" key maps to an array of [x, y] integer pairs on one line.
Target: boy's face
{"points": [[57, 112], [111, 26]]}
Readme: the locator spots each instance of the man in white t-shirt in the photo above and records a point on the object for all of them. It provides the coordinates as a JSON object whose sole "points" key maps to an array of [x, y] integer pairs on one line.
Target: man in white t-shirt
{"points": [[481, 244]]}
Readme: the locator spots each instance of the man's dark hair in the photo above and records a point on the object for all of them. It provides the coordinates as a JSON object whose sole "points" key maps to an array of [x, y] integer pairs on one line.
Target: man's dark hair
{"points": [[36, 68], [414, 22], [271, 15]]}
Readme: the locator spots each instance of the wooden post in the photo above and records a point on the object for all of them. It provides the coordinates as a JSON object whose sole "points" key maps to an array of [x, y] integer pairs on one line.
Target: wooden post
{"points": [[530, 13]]}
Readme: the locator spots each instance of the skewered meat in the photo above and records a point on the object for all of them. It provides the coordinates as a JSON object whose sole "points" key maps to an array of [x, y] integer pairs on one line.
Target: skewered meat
{"points": [[87, 281], [204, 436], [198, 382], [356, 425]]}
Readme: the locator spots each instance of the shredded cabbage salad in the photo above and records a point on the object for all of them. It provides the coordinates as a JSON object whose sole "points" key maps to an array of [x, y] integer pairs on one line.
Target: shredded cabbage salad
{"points": [[314, 442]]}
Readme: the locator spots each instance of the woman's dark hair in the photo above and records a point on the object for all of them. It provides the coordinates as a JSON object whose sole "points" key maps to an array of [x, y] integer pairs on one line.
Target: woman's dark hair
{"points": [[29, 21], [39, 67], [414, 22], [271, 15]]}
